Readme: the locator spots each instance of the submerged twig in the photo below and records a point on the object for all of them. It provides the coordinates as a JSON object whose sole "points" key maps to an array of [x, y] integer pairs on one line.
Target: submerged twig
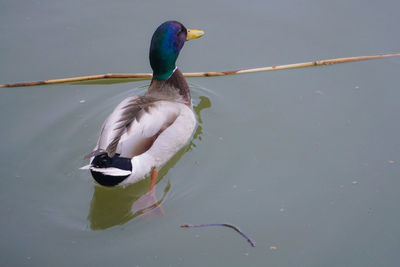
{"points": [[203, 74], [221, 224]]}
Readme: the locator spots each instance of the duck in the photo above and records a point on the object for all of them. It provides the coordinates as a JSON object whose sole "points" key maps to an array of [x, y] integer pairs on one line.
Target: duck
{"points": [[144, 132]]}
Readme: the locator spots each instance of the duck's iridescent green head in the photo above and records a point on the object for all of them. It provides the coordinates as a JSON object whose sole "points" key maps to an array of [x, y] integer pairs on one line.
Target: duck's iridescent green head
{"points": [[166, 43]]}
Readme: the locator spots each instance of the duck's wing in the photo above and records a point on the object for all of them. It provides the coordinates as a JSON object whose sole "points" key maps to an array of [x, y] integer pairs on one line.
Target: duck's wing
{"points": [[134, 125]]}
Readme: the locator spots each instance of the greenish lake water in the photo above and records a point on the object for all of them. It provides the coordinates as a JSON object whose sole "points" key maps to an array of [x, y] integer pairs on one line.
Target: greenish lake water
{"points": [[306, 162]]}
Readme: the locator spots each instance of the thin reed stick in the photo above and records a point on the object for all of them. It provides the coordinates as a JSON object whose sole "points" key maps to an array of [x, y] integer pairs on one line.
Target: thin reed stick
{"points": [[205, 74], [82, 78], [251, 242]]}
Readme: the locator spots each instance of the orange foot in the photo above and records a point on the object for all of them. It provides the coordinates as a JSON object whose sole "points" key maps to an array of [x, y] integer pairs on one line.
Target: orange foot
{"points": [[148, 203]]}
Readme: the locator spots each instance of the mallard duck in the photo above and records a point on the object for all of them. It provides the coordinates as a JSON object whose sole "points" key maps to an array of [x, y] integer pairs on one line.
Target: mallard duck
{"points": [[144, 132]]}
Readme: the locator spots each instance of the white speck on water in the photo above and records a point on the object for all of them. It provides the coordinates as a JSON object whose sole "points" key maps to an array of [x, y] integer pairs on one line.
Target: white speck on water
{"points": [[357, 87], [354, 182], [318, 92], [82, 101], [220, 138], [281, 209], [234, 186]]}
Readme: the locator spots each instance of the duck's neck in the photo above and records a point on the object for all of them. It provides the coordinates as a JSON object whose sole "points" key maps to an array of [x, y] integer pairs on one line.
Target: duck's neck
{"points": [[175, 87]]}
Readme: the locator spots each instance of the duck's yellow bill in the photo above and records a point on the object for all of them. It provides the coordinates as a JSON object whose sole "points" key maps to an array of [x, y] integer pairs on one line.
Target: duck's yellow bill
{"points": [[194, 34]]}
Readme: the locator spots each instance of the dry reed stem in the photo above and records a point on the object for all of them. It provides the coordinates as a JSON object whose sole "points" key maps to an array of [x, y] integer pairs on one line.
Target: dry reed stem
{"points": [[204, 74]]}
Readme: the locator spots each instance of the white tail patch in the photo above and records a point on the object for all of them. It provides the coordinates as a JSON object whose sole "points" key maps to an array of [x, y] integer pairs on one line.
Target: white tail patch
{"points": [[111, 171], [87, 167]]}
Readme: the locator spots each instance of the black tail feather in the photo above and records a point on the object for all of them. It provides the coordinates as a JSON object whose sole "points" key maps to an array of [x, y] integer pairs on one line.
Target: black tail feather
{"points": [[104, 161]]}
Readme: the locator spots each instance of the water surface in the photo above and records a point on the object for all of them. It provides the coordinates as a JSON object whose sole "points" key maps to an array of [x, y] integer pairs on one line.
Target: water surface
{"points": [[305, 161]]}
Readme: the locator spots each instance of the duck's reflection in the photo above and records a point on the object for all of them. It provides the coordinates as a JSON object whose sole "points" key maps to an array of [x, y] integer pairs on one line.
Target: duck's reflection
{"points": [[116, 206]]}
